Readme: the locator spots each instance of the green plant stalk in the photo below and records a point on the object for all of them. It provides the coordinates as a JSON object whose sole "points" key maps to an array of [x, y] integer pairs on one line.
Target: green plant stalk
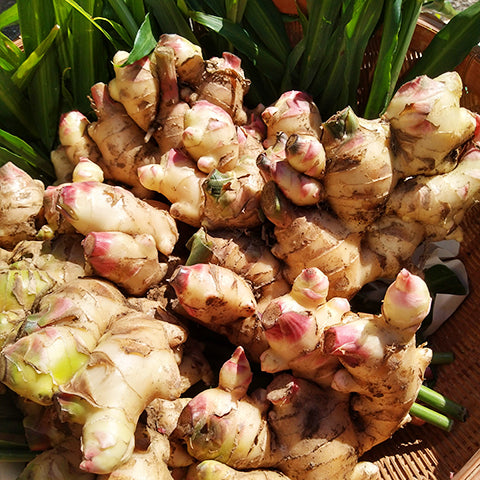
{"points": [[11, 56], [15, 111], [44, 86], [322, 17], [343, 76], [359, 31], [430, 416], [398, 28], [411, 10], [450, 45], [24, 72], [442, 404], [125, 16], [382, 76], [260, 56], [266, 21], [87, 51], [26, 151], [170, 18], [235, 10], [442, 358], [137, 9], [9, 16]]}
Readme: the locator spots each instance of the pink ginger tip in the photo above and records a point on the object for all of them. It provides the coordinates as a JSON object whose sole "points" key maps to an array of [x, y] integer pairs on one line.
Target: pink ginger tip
{"points": [[407, 301], [236, 373], [347, 341], [290, 327]]}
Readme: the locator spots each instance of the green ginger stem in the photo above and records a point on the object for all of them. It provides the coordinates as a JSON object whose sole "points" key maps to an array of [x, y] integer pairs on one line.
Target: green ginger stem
{"points": [[431, 416], [442, 404]]}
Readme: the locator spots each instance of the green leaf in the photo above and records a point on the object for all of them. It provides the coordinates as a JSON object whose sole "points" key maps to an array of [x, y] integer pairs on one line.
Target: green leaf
{"points": [[450, 45], [125, 16], [44, 85], [93, 21], [170, 18], [393, 48], [359, 31], [137, 8], [21, 148], [441, 279], [235, 10], [145, 42], [322, 18], [382, 77], [11, 56], [25, 71], [9, 16], [266, 21], [88, 50], [243, 41], [15, 111]]}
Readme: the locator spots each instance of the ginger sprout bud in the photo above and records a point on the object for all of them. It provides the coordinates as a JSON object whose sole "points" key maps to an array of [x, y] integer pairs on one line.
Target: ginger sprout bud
{"points": [[310, 287], [235, 375], [86, 171], [407, 301]]}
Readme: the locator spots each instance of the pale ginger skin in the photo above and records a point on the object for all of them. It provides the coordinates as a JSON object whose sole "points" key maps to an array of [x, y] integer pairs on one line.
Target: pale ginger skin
{"points": [[360, 174], [21, 201], [311, 237], [75, 139], [245, 416], [98, 207], [33, 268], [383, 344], [130, 261], [223, 301], [232, 199], [214, 470], [306, 154], [250, 431], [189, 62], [178, 178], [162, 417], [293, 113], [224, 84], [381, 364], [120, 140], [109, 393], [67, 323], [148, 460], [201, 291], [169, 122], [136, 88], [87, 171], [428, 124], [301, 189], [444, 199], [57, 463], [457, 188], [246, 255], [216, 200], [294, 326], [210, 137]]}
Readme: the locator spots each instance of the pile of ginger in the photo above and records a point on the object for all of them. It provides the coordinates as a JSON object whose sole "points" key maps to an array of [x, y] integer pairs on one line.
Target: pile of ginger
{"points": [[179, 211]]}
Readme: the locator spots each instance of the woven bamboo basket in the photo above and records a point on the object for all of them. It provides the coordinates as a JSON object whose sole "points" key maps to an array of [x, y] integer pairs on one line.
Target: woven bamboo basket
{"points": [[424, 452], [427, 453]]}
